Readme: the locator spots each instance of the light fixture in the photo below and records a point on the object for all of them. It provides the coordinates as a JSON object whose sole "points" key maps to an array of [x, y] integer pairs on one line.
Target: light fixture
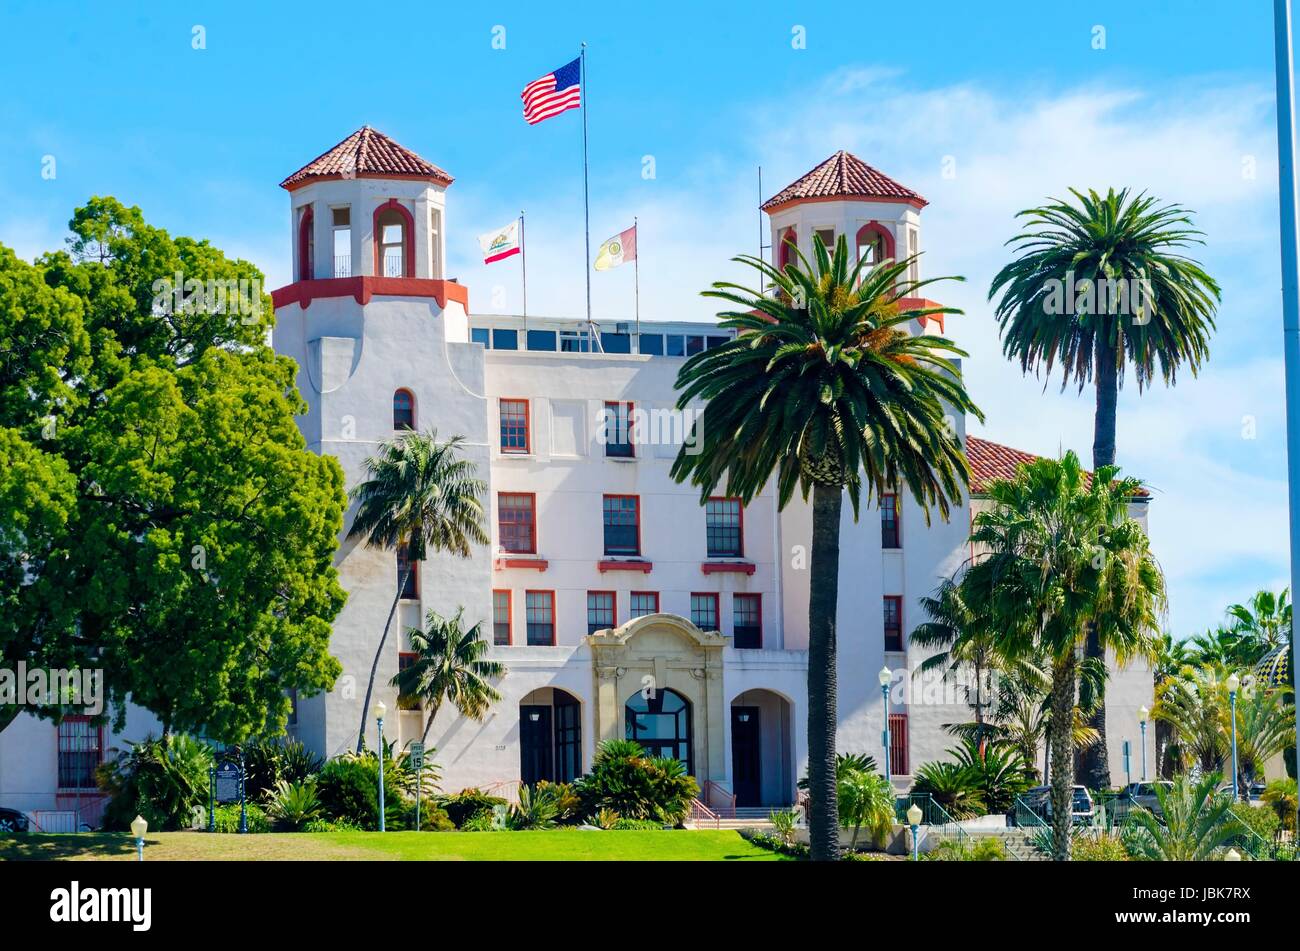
{"points": [[535, 716], [1234, 682], [139, 826], [379, 709], [744, 718], [1232, 856], [913, 815], [886, 676], [1143, 713]]}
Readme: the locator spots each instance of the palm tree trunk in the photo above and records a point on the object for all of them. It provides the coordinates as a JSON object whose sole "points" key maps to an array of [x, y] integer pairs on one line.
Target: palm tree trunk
{"points": [[1061, 755], [433, 712], [379, 652], [823, 803], [1096, 758]]}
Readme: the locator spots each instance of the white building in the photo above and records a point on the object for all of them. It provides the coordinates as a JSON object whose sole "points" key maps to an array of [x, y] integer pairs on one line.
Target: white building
{"points": [[619, 605]]}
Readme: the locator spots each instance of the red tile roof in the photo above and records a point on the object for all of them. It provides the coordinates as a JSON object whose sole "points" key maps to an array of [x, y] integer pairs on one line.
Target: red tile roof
{"points": [[366, 153], [991, 460], [844, 175]]}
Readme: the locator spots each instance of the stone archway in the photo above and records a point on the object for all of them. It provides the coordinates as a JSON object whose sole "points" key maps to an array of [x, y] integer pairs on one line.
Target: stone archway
{"points": [[663, 652]]}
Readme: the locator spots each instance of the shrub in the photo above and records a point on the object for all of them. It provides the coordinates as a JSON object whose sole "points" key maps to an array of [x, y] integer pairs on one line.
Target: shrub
{"points": [[348, 787], [568, 807], [865, 800], [1280, 795], [467, 803], [1263, 822], [268, 761], [783, 822], [998, 775], [952, 786], [226, 818], [163, 779], [290, 806], [636, 786], [1104, 847], [433, 818], [538, 808], [480, 822], [605, 819], [325, 825], [984, 849], [633, 825]]}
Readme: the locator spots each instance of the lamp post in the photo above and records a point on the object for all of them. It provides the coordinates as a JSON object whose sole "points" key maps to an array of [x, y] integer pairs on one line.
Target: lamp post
{"points": [[378, 711], [914, 820], [886, 678], [1234, 684], [139, 826], [1143, 713]]}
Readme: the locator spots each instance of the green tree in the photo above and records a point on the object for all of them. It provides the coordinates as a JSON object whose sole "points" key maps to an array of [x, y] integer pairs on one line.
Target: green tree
{"points": [[1063, 558], [419, 493], [1171, 657], [1195, 823], [1060, 308], [1263, 625], [865, 799], [824, 389], [450, 666]]}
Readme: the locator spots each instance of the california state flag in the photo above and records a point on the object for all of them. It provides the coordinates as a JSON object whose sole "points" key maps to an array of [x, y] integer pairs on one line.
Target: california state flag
{"points": [[500, 243], [617, 250]]}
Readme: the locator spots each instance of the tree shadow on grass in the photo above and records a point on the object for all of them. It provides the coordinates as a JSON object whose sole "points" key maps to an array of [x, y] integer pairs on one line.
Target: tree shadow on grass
{"points": [[48, 848]]}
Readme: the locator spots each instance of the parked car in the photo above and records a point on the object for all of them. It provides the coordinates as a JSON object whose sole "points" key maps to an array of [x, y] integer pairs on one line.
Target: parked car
{"points": [[11, 821], [1144, 794], [1039, 800], [1256, 791]]}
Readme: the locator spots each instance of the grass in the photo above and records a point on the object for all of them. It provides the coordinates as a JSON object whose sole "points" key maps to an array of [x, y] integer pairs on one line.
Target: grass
{"points": [[558, 845]]}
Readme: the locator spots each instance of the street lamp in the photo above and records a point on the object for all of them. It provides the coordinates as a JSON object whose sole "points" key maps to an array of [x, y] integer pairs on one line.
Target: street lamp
{"points": [[886, 678], [1232, 856], [1143, 713], [378, 711], [914, 820], [1234, 683], [139, 826]]}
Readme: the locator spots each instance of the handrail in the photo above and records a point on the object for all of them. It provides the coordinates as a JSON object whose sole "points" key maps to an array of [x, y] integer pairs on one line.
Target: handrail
{"points": [[700, 812], [711, 788], [934, 816]]}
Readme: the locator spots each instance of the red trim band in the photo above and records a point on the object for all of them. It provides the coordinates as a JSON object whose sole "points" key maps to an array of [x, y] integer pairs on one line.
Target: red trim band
{"points": [[362, 289]]}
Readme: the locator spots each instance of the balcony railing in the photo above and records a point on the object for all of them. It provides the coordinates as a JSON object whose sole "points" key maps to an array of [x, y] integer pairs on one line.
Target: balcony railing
{"points": [[393, 264], [342, 265]]}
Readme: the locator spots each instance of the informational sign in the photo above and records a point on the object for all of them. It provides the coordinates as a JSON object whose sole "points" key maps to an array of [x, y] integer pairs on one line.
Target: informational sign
{"points": [[227, 781], [417, 755]]}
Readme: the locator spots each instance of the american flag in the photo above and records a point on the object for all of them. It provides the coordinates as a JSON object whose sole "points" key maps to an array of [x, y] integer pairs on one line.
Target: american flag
{"points": [[554, 93]]}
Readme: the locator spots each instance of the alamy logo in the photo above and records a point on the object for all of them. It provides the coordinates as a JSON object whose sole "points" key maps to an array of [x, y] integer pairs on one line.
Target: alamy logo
{"points": [[1123, 296], [179, 295], [75, 904], [39, 687]]}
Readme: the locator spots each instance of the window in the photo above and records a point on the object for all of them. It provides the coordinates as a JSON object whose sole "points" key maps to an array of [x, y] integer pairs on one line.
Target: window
{"points": [[435, 244], [539, 610], [828, 238], [517, 522], [541, 340], [889, 537], [306, 245], [643, 603], [704, 611], [403, 410], [81, 750], [660, 720], [893, 623], [501, 618], [622, 525], [616, 343], [874, 243], [391, 241], [618, 431], [694, 344], [341, 222], [407, 701], [723, 528], [505, 339], [786, 252], [514, 426], [675, 345], [408, 574], [898, 764], [481, 335], [715, 342], [575, 341], [747, 621], [652, 344], [600, 611]]}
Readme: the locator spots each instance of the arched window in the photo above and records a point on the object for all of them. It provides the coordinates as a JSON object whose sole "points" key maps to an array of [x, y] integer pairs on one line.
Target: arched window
{"points": [[306, 246], [403, 410], [661, 723], [786, 254], [394, 240], [875, 243]]}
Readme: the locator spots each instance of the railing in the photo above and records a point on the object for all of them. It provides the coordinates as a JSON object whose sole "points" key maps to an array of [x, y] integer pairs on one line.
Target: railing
{"points": [[700, 814], [392, 264], [934, 818], [718, 799], [342, 265], [507, 789]]}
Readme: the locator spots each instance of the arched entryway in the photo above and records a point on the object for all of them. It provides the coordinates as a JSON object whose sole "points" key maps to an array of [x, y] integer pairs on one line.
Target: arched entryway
{"points": [[660, 720], [550, 736], [762, 751]]}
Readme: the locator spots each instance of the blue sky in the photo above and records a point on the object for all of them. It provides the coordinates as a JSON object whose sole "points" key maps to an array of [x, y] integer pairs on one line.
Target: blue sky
{"points": [[1179, 101]]}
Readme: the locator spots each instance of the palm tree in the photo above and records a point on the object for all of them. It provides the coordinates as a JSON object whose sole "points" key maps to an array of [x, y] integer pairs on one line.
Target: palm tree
{"points": [[1220, 647], [1171, 657], [449, 665], [1264, 624], [1265, 727], [1119, 237], [419, 494], [1196, 822], [824, 389], [961, 641], [1063, 558], [865, 799], [1194, 704]]}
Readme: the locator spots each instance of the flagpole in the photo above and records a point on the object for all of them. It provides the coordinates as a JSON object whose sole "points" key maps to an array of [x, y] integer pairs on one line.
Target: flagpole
{"points": [[586, 198], [523, 272], [636, 280]]}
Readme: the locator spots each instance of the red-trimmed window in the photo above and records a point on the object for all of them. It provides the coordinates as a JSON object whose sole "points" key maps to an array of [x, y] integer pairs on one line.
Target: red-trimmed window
{"points": [[747, 621], [517, 522], [894, 623], [403, 410], [898, 764], [643, 603], [407, 701], [514, 426], [409, 581], [622, 517], [874, 243], [724, 528], [601, 611], [394, 252], [307, 245], [618, 431], [704, 611], [890, 536], [81, 751], [501, 618], [785, 253], [539, 614]]}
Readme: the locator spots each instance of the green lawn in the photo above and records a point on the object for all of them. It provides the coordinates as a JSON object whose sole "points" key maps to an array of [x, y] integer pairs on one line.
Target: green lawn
{"points": [[559, 845]]}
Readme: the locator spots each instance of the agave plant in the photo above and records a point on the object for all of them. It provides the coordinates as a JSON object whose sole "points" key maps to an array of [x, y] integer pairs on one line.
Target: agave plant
{"points": [[538, 808], [290, 806], [1197, 822]]}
